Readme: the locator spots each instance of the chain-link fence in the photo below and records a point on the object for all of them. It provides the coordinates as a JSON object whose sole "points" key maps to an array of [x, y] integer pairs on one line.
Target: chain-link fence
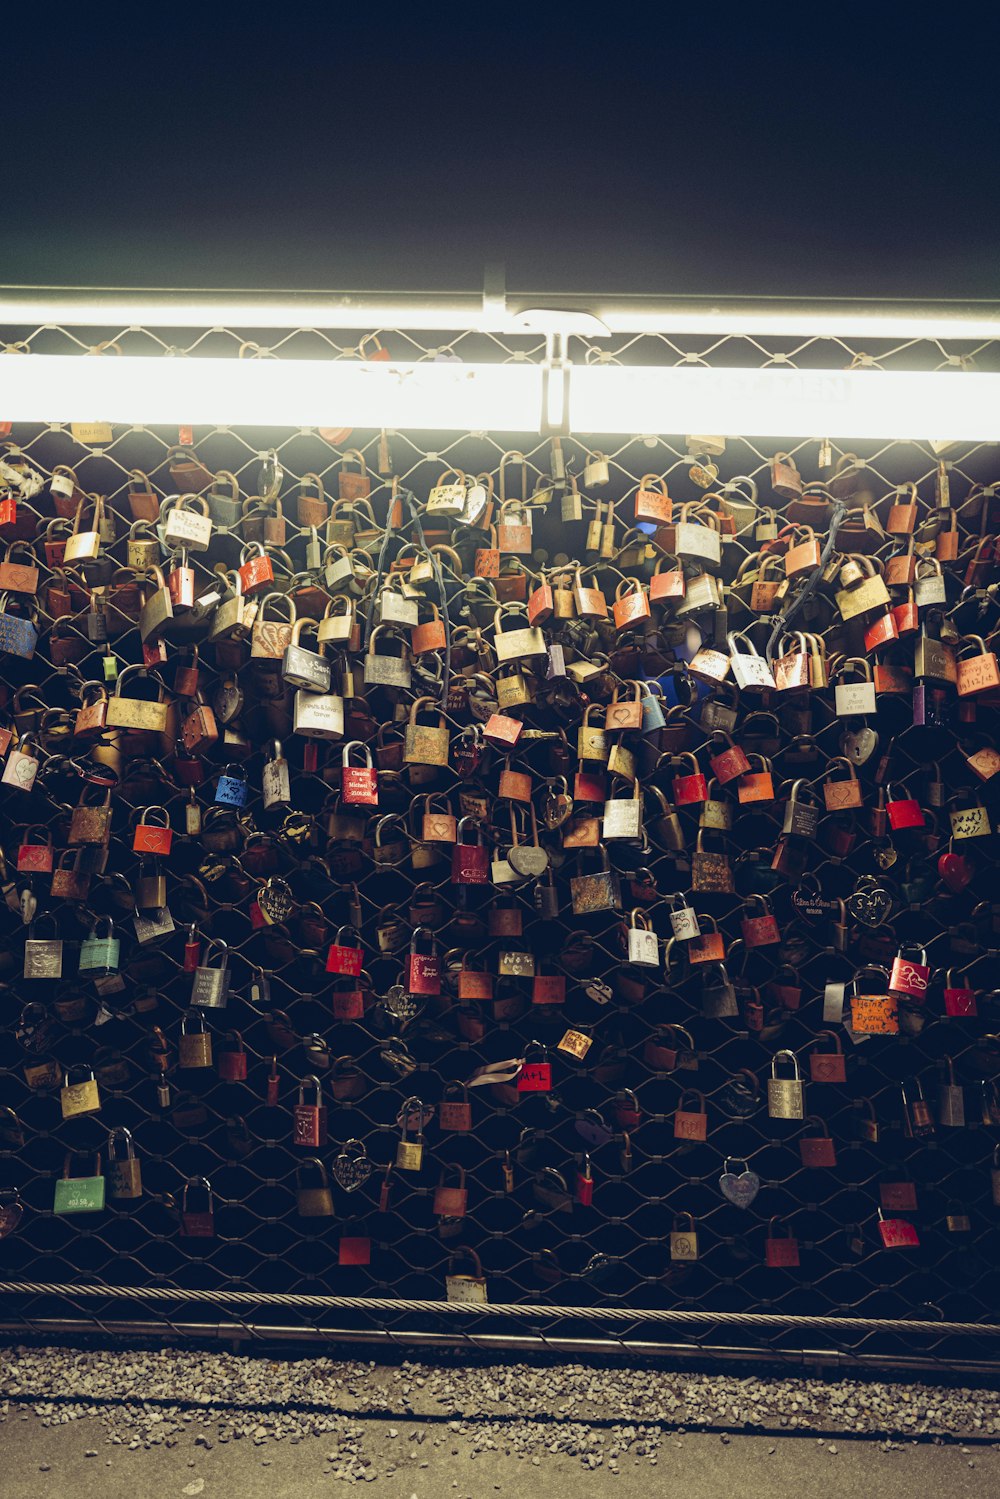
{"points": [[650, 1177]]}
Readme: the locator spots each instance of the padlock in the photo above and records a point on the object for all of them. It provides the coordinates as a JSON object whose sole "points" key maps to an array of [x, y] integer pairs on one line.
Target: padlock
{"points": [[423, 970], [827, 1066], [358, 785], [785, 1096], [816, 1149], [345, 957], [959, 999], [951, 1099], [194, 1048], [124, 1173], [903, 811], [79, 1194], [781, 1248], [595, 892], [197, 1222], [455, 1114], [35, 853], [643, 943], [100, 952], [691, 1123], [684, 923], [232, 788], [897, 1233], [977, 669], [854, 698], [692, 787], [623, 815], [464, 1287], [424, 744], [302, 668], [534, 1076], [410, 1152], [918, 1121], [751, 672], [683, 1237], [386, 670], [451, 1201], [760, 927], [210, 986], [876, 1012], [232, 1058], [910, 978], [309, 1120], [841, 795], [313, 1194], [79, 1098], [801, 812], [186, 527], [711, 871], [728, 760]]}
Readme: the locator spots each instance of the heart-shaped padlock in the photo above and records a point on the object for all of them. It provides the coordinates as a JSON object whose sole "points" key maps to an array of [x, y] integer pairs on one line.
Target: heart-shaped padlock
{"points": [[11, 1213], [558, 806], [352, 1168], [859, 744], [739, 1190], [870, 903], [955, 870]]}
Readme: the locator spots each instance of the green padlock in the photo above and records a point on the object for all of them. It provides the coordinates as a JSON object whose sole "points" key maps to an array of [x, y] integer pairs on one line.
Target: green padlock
{"points": [[100, 953], [79, 1194]]}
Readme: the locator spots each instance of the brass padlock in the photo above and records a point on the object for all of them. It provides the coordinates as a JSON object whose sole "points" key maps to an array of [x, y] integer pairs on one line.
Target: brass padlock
{"points": [[785, 1095]]}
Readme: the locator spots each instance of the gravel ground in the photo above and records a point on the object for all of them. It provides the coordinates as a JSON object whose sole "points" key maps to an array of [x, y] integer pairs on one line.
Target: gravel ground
{"points": [[412, 1428]]}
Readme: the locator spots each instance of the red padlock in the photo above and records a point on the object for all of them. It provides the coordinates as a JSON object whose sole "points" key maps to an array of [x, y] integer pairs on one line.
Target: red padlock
{"points": [[762, 929], [469, 863], [728, 764], [344, 957], [192, 950], [423, 970], [548, 989], [585, 1184], [309, 1122], [348, 1004], [540, 604], [897, 1233], [273, 1085], [627, 1110], [197, 1224], [149, 838], [908, 977], [958, 1000], [358, 784], [233, 1059], [692, 787], [502, 731], [535, 1077], [882, 631], [903, 811], [181, 582], [35, 858], [256, 569], [781, 1252]]}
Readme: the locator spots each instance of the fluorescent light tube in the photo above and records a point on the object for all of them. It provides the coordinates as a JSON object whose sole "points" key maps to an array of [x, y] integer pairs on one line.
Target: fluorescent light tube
{"points": [[882, 404], [161, 391], [958, 405]]}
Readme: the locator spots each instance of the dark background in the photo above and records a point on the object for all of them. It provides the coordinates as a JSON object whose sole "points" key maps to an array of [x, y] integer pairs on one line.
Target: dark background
{"points": [[681, 148]]}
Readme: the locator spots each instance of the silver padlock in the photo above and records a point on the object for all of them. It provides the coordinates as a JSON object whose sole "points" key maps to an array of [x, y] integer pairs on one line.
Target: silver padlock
{"points": [[785, 1095], [210, 990], [683, 919], [801, 811], [275, 783]]}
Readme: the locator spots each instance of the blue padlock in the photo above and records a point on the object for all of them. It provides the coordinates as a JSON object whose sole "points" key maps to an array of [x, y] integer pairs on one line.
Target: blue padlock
{"points": [[232, 790]]}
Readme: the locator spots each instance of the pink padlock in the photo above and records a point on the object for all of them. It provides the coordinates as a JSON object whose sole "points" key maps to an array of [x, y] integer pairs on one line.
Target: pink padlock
{"points": [[909, 977]]}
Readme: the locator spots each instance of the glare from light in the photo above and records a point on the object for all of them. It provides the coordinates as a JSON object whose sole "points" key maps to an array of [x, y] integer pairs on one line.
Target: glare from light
{"points": [[880, 404], [957, 405], [160, 391]]}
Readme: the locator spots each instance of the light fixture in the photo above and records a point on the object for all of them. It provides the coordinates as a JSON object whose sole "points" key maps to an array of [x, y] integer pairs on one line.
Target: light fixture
{"points": [[556, 396], [780, 402], [495, 309], [160, 391]]}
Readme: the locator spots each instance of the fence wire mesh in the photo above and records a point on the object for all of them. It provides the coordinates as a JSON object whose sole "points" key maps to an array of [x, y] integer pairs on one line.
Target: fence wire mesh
{"points": [[384, 1249]]}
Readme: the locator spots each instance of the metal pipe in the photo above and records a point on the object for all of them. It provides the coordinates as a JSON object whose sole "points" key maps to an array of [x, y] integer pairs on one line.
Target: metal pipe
{"points": [[496, 310], [246, 1332]]}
